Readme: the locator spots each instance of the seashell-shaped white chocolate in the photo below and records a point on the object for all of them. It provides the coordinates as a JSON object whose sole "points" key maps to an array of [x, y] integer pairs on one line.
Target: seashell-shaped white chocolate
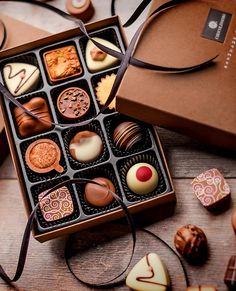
{"points": [[20, 78], [98, 65], [149, 274]]}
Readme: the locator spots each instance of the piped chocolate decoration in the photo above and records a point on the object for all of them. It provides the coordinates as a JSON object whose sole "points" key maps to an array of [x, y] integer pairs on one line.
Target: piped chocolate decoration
{"points": [[20, 78], [73, 103], [149, 274]]}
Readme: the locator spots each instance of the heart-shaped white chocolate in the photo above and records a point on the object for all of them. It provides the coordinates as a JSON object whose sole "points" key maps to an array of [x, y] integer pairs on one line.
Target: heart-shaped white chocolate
{"points": [[149, 274], [20, 78], [96, 63]]}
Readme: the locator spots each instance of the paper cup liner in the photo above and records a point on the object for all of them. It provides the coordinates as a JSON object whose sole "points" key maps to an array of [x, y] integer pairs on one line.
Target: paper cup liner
{"points": [[145, 143], [28, 59], [44, 225], [34, 176], [105, 171], [68, 134], [125, 164]]}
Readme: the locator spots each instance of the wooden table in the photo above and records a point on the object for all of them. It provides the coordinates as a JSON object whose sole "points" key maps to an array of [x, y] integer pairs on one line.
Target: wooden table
{"points": [[45, 268]]}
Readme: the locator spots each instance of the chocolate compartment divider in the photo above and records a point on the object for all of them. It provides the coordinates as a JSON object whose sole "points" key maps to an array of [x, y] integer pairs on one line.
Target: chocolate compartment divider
{"points": [[82, 221]]}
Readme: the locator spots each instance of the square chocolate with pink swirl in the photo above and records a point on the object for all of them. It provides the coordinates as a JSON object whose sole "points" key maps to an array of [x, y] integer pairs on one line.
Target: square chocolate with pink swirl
{"points": [[211, 188]]}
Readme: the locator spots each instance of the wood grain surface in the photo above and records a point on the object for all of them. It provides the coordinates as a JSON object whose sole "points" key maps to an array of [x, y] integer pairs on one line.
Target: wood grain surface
{"points": [[45, 267]]}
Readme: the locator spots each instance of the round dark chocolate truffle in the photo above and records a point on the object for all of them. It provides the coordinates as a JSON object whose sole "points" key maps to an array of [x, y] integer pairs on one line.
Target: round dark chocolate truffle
{"points": [[86, 146], [142, 178], [126, 135], [99, 196], [73, 103], [191, 242]]}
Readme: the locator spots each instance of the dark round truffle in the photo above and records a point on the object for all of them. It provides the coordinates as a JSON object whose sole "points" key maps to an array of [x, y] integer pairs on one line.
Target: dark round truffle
{"points": [[99, 196], [73, 103], [126, 135], [191, 242]]}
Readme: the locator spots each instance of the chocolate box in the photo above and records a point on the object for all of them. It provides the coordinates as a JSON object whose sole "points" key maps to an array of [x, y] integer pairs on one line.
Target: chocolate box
{"points": [[23, 34], [201, 104], [112, 163]]}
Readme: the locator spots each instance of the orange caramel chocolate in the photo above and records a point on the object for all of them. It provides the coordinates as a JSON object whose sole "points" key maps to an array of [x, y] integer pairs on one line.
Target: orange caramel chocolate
{"points": [[62, 63], [26, 124]]}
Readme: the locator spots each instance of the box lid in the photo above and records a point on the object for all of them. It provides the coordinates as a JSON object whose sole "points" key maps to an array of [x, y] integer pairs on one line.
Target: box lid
{"points": [[202, 103]]}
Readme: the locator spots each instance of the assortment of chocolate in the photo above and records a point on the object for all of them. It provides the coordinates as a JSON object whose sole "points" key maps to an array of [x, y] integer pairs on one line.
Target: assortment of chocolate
{"points": [[66, 83], [117, 152]]}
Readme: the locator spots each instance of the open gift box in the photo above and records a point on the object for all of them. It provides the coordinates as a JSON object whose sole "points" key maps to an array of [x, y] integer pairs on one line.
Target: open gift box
{"points": [[111, 162]]}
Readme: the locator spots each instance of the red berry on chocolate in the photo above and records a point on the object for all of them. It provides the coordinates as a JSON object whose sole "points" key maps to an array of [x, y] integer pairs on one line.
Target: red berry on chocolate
{"points": [[144, 174]]}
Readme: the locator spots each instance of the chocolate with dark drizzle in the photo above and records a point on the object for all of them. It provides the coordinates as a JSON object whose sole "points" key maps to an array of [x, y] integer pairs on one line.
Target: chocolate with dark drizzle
{"points": [[20, 85], [144, 279]]}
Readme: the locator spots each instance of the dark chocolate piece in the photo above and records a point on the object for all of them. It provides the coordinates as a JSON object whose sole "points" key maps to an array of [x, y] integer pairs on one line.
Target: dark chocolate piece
{"points": [[27, 125], [73, 103], [126, 135], [191, 242], [230, 274], [43, 156], [211, 188], [99, 196], [56, 205]]}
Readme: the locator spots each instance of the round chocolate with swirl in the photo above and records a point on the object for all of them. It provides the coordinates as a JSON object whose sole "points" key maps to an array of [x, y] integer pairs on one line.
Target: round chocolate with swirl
{"points": [[73, 103], [56, 205], [191, 242], [126, 135], [97, 195]]}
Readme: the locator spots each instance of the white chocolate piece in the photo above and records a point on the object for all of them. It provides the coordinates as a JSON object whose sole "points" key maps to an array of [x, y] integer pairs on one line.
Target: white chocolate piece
{"points": [[149, 274], [142, 178], [20, 78], [86, 146], [107, 62]]}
